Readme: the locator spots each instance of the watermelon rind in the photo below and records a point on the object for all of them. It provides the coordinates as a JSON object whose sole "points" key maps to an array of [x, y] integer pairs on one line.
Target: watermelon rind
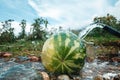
{"points": [[63, 53]]}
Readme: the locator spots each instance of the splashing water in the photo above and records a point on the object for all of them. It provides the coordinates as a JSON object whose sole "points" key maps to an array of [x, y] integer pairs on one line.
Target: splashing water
{"points": [[91, 26], [97, 67]]}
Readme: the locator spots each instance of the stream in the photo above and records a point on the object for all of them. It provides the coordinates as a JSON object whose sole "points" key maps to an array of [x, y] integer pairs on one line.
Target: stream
{"points": [[11, 70]]}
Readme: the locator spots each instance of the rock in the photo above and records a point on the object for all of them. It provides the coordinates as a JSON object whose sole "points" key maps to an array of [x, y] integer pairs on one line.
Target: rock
{"points": [[103, 58], [90, 51], [90, 59], [1, 54], [76, 78], [5, 54], [63, 77], [98, 77], [116, 59], [33, 58], [106, 79], [45, 76], [108, 76], [117, 77], [53, 77]]}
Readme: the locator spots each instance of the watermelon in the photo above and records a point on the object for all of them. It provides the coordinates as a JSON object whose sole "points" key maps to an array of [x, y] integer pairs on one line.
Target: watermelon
{"points": [[63, 53]]}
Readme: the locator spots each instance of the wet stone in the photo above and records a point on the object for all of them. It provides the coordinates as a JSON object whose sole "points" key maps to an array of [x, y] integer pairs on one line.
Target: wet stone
{"points": [[44, 75], [34, 58], [117, 77], [63, 77], [116, 59], [98, 77], [5, 54]]}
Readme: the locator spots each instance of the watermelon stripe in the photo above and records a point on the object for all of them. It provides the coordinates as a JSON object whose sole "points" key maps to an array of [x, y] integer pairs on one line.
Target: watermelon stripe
{"points": [[74, 48], [69, 70], [62, 46], [67, 53]]}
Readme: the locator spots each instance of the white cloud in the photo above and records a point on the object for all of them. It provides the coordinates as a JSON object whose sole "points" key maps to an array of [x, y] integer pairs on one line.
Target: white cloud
{"points": [[45, 10], [17, 28], [115, 10], [72, 13]]}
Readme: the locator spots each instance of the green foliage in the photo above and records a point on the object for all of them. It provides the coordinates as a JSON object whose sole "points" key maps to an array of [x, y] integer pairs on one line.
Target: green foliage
{"points": [[23, 44], [23, 26], [109, 20], [7, 32], [38, 29], [23, 47]]}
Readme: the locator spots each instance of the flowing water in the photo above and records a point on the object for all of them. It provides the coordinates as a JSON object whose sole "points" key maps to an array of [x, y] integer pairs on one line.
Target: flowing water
{"points": [[85, 31], [99, 68], [11, 70]]}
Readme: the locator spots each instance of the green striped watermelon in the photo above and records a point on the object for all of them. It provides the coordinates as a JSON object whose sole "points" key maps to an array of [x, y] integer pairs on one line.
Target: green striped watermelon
{"points": [[63, 53]]}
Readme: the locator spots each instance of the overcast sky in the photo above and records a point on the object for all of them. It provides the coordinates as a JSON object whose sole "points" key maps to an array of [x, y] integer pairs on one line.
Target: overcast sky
{"points": [[66, 13]]}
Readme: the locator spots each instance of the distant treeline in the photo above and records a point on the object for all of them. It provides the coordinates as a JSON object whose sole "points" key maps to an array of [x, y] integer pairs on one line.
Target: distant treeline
{"points": [[37, 32]]}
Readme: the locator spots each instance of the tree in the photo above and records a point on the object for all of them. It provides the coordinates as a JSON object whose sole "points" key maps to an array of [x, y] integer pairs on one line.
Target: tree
{"points": [[7, 34], [23, 26], [46, 23], [109, 20], [38, 32]]}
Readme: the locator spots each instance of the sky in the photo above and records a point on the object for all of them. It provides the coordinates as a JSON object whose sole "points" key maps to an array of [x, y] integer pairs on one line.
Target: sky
{"points": [[66, 13]]}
